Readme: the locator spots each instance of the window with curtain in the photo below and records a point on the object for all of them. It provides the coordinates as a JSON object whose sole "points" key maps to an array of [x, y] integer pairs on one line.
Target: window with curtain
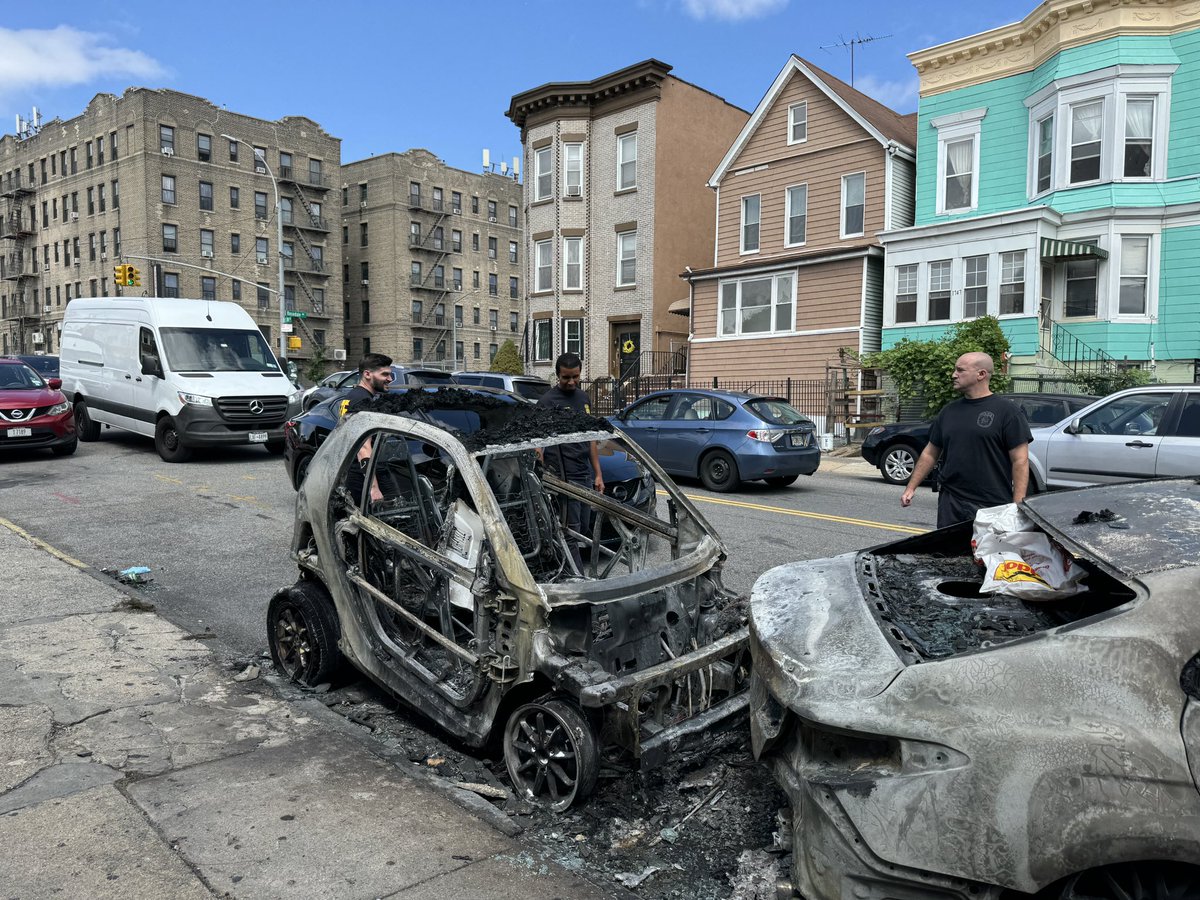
{"points": [[1087, 122], [750, 215], [1139, 137], [939, 291], [757, 305], [1135, 275], [959, 173]]}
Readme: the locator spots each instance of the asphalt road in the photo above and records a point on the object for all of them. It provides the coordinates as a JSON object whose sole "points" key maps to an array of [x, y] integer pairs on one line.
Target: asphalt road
{"points": [[216, 531]]}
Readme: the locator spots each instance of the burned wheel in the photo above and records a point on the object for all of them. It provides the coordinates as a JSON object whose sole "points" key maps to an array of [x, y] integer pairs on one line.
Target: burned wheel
{"points": [[302, 629], [1129, 881], [551, 753]]}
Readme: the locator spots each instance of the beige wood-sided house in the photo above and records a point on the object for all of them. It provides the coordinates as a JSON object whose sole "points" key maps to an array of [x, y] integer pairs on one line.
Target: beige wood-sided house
{"points": [[797, 273]]}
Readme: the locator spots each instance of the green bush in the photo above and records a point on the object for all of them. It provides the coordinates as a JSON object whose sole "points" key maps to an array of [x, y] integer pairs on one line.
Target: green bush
{"points": [[924, 367], [508, 360], [1105, 382]]}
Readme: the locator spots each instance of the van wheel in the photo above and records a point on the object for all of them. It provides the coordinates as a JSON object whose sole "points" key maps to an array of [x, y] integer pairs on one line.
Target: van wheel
{"points": [[84, 426], [166, 442], [303, 632], [275, 447]]}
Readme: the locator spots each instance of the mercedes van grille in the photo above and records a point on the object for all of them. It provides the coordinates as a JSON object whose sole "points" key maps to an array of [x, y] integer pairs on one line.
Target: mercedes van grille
{"points": [[252, 409]]}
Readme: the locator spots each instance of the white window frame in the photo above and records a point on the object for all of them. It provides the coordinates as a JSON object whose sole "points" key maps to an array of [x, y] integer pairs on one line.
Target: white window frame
{"points": [[787, 215], [842, 207], [543, 167], [951, 129], [737, 283], [1114, 86], [915, 293], [743, 248], [569, 283], [794, 120], [572, 344], [572, 166], [622, 238], [540, 325], [988, 304], [1024, 282], [543, 266], [629, 139], [928, 292], [1119, 266]]}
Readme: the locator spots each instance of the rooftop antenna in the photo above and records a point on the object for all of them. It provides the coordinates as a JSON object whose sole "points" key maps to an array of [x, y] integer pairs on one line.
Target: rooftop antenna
{"points": [[852, 43]]}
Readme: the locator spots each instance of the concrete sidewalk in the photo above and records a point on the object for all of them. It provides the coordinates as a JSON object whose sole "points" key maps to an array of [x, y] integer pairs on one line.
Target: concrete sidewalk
{"points": [[133, 766]]}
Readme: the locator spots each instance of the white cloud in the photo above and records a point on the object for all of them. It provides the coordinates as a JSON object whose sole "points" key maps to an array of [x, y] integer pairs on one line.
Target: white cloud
{"points": [[732, 10], [899, 95], [64, 56]]}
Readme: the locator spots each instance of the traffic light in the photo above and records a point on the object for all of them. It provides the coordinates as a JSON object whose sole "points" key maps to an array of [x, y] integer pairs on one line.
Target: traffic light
{"points": [[134, 275], [119, 274]]}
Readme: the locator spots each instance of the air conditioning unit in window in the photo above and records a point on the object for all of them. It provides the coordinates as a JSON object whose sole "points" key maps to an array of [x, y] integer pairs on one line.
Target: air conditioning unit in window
{"points": [[74, 217], [37, 338], [75, 262], [366, 281], [47, 308], [492, 219], [167, 151], [362, 204], [103, 256], [574, 190], [46, 268], [339, 355], [206, 254], [494, 328]]}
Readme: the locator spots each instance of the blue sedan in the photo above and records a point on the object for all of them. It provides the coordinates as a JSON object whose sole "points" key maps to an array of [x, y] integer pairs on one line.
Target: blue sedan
{"points": [[723, 437]]}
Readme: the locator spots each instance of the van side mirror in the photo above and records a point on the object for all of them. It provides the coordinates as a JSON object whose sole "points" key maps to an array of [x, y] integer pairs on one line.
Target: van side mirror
{"points": [[1075, 427], [54, 383], [151, 365]]}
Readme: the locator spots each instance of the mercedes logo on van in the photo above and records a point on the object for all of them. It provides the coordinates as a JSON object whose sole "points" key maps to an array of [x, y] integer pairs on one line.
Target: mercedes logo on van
{"points": [[256, 407]]}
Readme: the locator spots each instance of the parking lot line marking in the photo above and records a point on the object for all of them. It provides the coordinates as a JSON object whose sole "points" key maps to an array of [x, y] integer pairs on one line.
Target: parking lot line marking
{"points": [[167, 478], [42, 545], [841, 520]]}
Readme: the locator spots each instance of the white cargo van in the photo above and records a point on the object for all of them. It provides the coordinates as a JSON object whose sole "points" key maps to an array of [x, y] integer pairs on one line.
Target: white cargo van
{"points": [[189, 373]]}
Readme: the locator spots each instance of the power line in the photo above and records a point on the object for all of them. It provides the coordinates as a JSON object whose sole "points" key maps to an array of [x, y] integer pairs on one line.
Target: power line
{"points": [[852, 43]]}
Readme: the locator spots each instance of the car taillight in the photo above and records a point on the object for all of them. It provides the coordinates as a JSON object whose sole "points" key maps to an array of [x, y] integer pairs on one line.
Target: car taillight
{"points": [[766, 435]]}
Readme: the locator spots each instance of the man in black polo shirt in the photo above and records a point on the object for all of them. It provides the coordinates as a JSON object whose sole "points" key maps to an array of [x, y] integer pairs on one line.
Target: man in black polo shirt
{"points": [[983, 442], [578, 464]]}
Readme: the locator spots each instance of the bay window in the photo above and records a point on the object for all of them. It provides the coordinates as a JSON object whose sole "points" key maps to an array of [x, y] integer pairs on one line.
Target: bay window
{"points": [[542, 340], [544, 263], [1087, 123], [573, 264], [1045, 153], [761, 305], [543, 173]]}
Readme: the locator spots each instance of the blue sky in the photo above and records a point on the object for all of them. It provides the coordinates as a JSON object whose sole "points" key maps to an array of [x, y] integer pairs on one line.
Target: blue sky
{"points": [[387, 77]]}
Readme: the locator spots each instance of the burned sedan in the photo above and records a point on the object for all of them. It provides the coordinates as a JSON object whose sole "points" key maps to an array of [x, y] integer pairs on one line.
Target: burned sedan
{"points": [[936, 742], [434, 557]]}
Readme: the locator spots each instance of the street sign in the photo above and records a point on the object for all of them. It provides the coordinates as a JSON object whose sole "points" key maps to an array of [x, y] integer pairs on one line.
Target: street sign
{"points": [[295, 314], [286, 327]]}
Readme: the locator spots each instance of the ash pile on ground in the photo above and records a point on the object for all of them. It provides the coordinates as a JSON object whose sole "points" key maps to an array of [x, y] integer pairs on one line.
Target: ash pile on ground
{"points": [[701, 827]]}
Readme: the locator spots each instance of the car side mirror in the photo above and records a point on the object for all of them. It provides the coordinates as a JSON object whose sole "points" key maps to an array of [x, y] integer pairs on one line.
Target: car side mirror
{"points": [[55, 383], [1075, 427], [151, 366]]}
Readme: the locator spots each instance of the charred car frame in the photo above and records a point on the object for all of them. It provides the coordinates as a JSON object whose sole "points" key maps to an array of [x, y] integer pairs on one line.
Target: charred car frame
{"points": [[936, 742], [459, 593]]}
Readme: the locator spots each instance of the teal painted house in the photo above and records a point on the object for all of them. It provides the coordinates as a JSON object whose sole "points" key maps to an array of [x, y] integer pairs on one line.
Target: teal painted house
{"points": [[1058, 188]]}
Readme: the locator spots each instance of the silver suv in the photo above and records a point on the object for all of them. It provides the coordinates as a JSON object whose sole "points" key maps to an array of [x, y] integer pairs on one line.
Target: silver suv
{"points": [[1142, 432], [526, 386]]}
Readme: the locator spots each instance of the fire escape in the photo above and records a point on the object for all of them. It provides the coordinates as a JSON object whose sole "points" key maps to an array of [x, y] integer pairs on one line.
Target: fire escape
{"points": [[18, 265], [430, 249], [308, 269]]}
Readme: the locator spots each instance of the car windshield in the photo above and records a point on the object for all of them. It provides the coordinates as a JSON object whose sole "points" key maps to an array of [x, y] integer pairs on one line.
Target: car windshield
{"points": [[20, 378], [776, 412], [43, 365], [217, 350], [530, 390], [426, 378]]}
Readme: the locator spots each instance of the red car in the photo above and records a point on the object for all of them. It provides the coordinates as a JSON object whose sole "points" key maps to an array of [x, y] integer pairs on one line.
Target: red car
{"points": [[33, 411]]}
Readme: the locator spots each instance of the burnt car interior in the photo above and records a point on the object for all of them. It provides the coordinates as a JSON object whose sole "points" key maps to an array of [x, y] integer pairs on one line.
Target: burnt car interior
{"points": [[925, 594]]}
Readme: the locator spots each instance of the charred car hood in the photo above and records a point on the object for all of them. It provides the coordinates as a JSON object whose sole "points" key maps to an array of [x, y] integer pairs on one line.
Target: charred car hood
{"points": [[809, 621]]}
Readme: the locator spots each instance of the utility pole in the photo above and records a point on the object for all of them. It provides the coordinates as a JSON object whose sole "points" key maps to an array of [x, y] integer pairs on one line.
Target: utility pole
{"points": [[852, 43]]}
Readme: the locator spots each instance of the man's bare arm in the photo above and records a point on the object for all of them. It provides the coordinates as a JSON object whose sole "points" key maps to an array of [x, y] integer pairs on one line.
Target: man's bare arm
{"points": [[925, 463], [1019, 456]]}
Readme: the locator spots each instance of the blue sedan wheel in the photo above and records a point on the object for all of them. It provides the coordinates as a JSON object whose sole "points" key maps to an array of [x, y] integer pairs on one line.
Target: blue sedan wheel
{"points": [[718, 472]]}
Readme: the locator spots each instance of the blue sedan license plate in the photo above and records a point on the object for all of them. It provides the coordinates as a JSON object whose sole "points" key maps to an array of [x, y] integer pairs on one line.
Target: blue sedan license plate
{"points": [[798, 440]]}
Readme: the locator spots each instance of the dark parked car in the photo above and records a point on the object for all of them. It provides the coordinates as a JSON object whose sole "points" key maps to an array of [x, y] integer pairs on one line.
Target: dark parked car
{"points": [[894, 448], [46, 366], [401, 377], [723, 437], [527, 386], [942, 743], [305, 434], [33, 411], [335, 380], [454, 590]]}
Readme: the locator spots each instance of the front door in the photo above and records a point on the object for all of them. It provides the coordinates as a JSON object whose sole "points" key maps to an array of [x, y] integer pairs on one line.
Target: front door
{"points": [[626, 350]]}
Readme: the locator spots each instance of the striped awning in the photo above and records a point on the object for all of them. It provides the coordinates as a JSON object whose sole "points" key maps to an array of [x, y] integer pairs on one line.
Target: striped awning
{"points": [[1056, 250]]}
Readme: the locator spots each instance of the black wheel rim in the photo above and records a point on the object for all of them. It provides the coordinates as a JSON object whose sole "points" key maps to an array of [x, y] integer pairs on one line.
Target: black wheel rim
{"points": [[899, 464], [170, 439], [718, 469], [293, 643], [543, 757]]}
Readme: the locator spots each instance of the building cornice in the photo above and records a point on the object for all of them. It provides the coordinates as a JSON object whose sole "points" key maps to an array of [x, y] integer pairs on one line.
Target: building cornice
{"points": [[1052, 27], [643, 76]]}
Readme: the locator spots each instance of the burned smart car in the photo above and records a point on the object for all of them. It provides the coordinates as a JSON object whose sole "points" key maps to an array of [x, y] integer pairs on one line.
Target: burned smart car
{"points": [[434, 557], [935, 742]]}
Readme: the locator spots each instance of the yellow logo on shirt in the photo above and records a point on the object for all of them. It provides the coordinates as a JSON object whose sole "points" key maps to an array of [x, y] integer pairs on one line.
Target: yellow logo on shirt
{"points": [[345, 405], [587, 409]]}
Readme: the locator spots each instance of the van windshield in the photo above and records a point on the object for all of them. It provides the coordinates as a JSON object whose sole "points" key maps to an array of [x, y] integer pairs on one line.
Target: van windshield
{"points": [[217, 350]]}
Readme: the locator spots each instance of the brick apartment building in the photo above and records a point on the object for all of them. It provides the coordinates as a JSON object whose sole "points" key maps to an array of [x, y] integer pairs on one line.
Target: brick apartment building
{"points": [[432, 260], [180, 188], [616, 207]]}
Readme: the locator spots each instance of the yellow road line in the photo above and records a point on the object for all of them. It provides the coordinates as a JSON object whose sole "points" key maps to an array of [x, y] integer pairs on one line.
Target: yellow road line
{"points": [[841, 520], [42, 545]]}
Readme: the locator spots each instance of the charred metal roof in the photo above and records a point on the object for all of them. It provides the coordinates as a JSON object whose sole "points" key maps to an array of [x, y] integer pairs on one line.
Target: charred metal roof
{"points": [[1156, 526]]}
